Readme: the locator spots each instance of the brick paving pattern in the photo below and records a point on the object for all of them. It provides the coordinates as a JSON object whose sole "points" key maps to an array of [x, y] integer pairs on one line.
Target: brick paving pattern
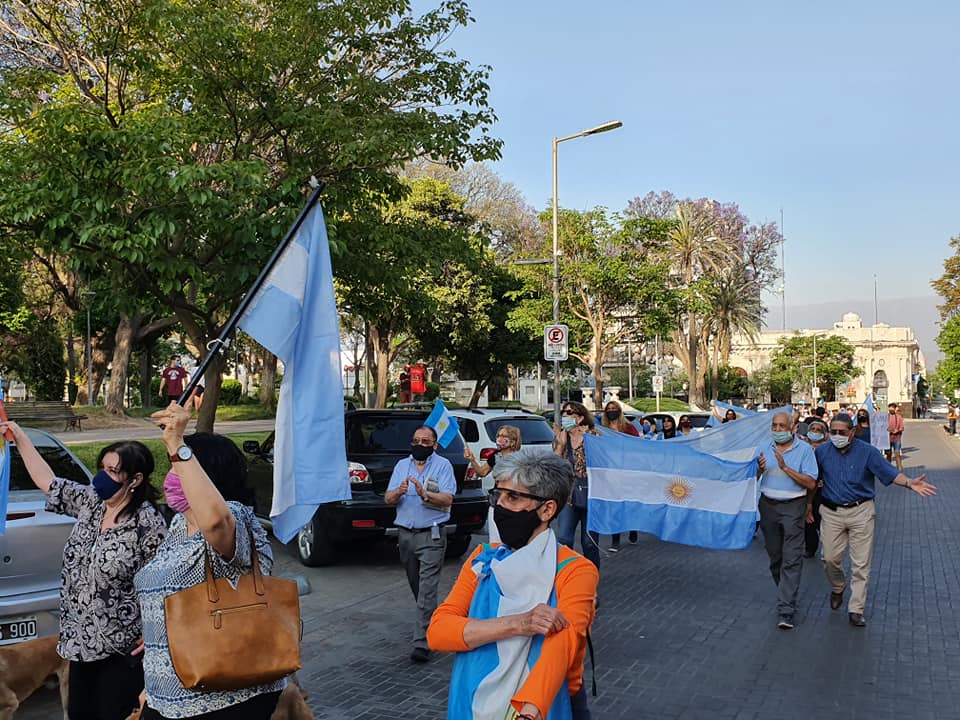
{"points": [[691, 633]]}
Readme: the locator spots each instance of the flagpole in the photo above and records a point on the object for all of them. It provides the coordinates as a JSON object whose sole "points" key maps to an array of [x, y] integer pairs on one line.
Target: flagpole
{"points": [[223, 339]]}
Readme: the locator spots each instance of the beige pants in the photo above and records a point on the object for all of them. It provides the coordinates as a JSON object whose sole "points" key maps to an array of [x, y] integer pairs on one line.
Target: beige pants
{"points": [[838, 528]]}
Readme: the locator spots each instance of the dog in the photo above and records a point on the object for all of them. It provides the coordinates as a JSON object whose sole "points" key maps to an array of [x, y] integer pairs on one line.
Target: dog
{"points": [[292, 704], [24, 667]]}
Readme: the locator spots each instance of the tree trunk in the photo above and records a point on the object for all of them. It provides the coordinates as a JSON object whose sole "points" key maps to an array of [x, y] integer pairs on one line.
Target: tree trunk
{"points": [[382, 351], [212, 379], [71, 360], [268, 379], [122, 348], [478, 388]]}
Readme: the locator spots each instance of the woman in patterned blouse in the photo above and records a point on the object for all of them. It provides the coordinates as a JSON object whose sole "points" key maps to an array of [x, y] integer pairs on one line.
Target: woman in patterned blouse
{"points": [[118, 530], [207, 487]]}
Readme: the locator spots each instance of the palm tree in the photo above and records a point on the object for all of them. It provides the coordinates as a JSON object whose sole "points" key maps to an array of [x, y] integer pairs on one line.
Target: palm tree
{"points": [[695, 252], [735, 308]]}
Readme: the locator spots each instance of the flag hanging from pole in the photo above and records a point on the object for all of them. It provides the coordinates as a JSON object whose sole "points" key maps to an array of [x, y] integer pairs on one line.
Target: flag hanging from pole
{"points": [[294, 315]]}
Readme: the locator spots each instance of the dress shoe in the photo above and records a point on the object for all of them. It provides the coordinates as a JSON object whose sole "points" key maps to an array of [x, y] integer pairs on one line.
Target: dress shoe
{"points": [[420, 655], [836, 600], [856, 619]]}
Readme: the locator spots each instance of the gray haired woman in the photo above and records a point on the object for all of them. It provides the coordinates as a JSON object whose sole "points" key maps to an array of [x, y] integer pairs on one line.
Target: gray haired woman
{"points": [[538, 590]]}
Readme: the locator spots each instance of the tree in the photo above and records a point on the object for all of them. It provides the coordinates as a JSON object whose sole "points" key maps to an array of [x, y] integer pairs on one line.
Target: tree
{"points": [[792, 364], [947, 285], [168, 145], [613, 285], [948, 340]]}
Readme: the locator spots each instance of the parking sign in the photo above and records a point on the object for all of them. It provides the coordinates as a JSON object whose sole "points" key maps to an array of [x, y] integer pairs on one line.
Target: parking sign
{"points": [[555, 342], [658, 383]]}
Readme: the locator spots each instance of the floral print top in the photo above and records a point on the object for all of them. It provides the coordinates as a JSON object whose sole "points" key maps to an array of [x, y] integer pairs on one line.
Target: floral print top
{"points": [[99, 612], [179, 564]]}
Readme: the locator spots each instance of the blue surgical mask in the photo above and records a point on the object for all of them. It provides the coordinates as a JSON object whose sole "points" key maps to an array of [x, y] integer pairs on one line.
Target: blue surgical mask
{"points": [[814, 436], [782, 436], [105, 486], [568, 422]]}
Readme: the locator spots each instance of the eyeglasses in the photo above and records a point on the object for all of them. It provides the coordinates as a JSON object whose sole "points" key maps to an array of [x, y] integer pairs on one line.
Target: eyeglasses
{"points": [[423, 441], [570, 411], [512, 496]]}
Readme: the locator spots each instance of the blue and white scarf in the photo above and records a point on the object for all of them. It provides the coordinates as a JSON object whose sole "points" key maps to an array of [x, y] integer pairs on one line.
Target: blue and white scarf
{"points": [[509, 582]]}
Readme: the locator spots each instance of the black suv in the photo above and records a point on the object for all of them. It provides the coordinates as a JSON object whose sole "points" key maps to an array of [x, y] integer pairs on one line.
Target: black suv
{"points": [[376, 441]]}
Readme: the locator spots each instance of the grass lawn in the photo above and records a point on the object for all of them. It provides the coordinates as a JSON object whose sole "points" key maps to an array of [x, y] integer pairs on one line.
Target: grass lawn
{"points": [[88, 452], [252, 411], [648, 405]]}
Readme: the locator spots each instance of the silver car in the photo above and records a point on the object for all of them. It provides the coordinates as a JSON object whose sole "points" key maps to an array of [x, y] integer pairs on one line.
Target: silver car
{"points": [[31, 550]]}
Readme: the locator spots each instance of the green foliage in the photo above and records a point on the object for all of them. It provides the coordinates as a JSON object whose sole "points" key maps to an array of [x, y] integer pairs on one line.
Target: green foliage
{"points": [[948, 340], [231, 392], [731, 384], [36, 356], [791, 367]]}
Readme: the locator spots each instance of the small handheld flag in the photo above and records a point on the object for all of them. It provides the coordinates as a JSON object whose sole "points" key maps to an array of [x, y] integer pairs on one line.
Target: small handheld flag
{"points": [[443, 422]]}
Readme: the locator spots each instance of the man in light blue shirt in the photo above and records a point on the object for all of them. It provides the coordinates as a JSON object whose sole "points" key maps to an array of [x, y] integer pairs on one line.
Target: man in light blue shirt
{"points": [[422, 487], [789, 471]]}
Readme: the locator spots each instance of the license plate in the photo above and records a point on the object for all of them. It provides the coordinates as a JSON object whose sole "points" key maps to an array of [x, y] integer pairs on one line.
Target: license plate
{"points": [[16, 630]]}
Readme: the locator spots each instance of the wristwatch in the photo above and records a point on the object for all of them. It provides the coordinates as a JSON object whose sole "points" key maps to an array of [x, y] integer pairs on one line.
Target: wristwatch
{"points": [[184, 452]]}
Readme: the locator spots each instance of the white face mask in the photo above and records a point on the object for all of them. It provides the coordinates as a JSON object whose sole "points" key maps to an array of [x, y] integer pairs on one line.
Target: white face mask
{"points": [[839, 441]]}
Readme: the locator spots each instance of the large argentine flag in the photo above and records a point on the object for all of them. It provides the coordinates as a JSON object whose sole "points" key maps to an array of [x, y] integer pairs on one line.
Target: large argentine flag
{"points": [[670, 490], [4, 469], [741, 412], [294, 316]]}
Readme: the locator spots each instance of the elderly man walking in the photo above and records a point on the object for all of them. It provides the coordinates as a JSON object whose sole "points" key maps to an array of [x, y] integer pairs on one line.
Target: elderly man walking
{"points": [[848, 467], [789, 472], [422, 487]]}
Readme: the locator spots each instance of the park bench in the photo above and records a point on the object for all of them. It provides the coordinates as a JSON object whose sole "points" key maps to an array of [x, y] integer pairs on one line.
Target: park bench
{"points": [[45, 411]]}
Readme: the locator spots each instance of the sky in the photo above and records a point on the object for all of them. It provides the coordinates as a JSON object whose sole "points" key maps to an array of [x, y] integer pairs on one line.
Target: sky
{"points": [[842, 115]]}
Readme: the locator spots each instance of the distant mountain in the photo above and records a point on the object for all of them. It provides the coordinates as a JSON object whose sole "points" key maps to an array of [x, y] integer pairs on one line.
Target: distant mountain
{"points": [[919, 313]]}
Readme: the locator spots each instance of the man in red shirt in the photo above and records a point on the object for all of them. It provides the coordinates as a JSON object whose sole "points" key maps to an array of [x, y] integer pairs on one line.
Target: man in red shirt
{"points": [[171, 380]]}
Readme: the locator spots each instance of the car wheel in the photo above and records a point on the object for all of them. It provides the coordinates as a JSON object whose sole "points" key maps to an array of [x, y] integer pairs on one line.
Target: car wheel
{"points": [[314, 544], [457, 545]]}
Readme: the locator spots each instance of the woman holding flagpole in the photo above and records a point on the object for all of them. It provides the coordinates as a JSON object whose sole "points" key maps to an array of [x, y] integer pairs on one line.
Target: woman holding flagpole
{"points": [[518, 615]]}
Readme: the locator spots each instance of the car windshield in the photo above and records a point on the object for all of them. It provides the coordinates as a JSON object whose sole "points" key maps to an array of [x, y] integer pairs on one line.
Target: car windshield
{"points": [[59, 460], [391, 434], [533, 430]]}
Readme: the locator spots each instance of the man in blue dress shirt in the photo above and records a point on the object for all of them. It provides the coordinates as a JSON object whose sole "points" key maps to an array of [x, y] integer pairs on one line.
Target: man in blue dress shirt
{"points": [[789, 473], [848, 468], [422, 487]]}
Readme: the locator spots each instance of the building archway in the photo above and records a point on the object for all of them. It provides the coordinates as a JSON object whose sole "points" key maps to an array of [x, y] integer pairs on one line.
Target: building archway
{"points": [[880, 386]]}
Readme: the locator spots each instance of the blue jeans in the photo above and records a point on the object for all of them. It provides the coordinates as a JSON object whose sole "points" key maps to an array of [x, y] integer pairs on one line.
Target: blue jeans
{"points": [[567, 523]]}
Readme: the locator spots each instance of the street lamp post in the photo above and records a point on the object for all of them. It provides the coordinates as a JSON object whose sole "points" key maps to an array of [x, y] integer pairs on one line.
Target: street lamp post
{"points": [[88, 297], [613, 125]]}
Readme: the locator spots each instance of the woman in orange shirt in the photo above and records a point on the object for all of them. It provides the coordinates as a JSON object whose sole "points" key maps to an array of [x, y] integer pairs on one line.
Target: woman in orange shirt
{"points": [[537, 590]]}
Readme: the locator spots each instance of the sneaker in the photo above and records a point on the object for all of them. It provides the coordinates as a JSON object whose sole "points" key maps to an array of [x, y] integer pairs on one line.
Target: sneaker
{"points": [[786, 622], [420, 655], [614, 548]]}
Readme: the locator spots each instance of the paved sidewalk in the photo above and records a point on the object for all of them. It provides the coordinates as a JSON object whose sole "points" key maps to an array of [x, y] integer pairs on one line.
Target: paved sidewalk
{"points": [[690, 633], [147, 430]]}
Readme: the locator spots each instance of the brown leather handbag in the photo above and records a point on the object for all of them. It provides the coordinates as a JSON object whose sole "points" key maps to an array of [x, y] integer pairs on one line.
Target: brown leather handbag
{"points": [[226, 639]]}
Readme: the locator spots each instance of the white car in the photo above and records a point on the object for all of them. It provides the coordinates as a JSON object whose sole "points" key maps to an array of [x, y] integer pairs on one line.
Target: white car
{"points": [[479, 427]]}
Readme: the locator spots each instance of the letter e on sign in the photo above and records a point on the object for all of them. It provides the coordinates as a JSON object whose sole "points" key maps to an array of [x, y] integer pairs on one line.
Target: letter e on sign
{"points": [[555, 342]]}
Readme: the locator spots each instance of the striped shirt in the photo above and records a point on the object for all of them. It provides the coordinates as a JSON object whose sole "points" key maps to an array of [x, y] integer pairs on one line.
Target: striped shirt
{"points": [[776, 484]]}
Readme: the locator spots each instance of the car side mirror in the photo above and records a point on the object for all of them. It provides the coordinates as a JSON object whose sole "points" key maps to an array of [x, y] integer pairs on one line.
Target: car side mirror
{"points": [[251, 447]]}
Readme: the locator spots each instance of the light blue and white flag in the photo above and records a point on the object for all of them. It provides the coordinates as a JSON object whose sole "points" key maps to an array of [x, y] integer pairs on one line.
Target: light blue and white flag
{"points": [[699, 489], [4, 484], [509, 582], [714, 421], [443, 422], [294, 316], [879, 425]]}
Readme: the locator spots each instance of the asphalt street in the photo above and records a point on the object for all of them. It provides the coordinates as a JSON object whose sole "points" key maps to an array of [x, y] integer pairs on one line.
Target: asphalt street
{"points": [[685, 632]]}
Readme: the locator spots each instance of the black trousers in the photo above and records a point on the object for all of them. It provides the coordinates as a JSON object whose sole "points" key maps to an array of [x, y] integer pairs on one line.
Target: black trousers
{"points": [[107, 689], [259, 707]]}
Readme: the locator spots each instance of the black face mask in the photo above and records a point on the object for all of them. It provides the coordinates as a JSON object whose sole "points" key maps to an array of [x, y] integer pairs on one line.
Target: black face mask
{"points": [[612, 414], [421, 452], [515, 526]]}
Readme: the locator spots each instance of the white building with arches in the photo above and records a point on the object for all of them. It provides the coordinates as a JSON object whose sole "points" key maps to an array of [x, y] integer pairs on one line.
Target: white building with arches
{"points": [[890, 358]]}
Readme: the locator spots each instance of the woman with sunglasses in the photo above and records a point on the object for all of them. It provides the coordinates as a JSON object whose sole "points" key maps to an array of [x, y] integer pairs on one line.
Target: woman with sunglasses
{"points": [[518, 615], [685, 425], [508, 441], [576, 421]]}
